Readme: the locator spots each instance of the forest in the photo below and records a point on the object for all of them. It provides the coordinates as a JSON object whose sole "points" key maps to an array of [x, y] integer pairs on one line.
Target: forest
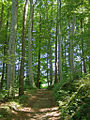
{"points": [[44, 59]]}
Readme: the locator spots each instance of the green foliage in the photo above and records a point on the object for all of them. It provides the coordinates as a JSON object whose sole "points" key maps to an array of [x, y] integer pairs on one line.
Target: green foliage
{"points": [[73, 98], [4, 114], [3, 94], [23, 99], [32, 91]]}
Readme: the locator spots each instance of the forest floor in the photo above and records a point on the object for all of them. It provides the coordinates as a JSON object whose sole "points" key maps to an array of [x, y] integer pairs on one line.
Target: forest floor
{"points": [[39, 106]]}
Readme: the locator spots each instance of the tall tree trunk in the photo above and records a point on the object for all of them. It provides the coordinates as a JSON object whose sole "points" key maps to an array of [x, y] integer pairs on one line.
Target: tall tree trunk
{"points": [[2, 78], [12, 43], [1, 20], [47, 45], [59, 41], [71, 50], [39, 52], [47, 68], [21, 77], [31, 78], [83, 57], [50, 58], [49, 27], [1, 17], [56, 79]]}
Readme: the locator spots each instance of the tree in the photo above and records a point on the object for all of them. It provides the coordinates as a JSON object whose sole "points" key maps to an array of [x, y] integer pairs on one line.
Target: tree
{"points": [[21, 78], [11, 52], [71, 49], [39, 53], [1, 17], [59, 41], [82, 43], [31, 79], [56, 77]]}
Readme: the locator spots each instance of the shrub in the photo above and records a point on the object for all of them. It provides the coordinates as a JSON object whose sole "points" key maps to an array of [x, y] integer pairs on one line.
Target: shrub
{"points": [[73, 98]]}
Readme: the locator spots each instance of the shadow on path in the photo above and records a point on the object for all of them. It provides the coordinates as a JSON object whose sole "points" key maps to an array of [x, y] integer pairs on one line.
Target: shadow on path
{"points": [[40, 106]]}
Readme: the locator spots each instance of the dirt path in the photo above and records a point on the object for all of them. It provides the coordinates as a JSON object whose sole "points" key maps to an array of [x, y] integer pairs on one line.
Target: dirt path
{"points": [[40, 106]]}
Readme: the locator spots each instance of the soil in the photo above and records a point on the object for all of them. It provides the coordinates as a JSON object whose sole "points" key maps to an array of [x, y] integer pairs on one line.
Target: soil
{"points": [[40, 106]]}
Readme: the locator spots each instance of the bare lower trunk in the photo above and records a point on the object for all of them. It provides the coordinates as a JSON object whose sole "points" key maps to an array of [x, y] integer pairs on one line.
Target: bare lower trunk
{"points": [[12, 43], [72, 50], [21, 78], [59, 41], [56, 80], [83, 57], [2, 78], [47, 69], [39, 52], [49, 51], [31, 79]]}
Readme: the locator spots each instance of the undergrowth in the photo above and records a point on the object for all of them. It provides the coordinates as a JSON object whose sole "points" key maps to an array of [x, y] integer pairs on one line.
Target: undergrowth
{"points": [[73, 98]]}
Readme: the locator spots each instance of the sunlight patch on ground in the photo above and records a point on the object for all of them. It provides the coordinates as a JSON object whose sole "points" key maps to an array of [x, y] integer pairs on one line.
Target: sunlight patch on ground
{"points": [[48, 109], [45, 114], [27, 109]]}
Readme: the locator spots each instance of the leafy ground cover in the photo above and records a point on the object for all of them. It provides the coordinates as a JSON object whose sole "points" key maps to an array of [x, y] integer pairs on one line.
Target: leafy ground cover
{"points": [[73, 98]]}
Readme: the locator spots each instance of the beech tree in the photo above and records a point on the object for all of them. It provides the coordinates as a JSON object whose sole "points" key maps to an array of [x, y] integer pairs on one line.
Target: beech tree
{"points": [[59, 41], [21, 78], [31, 79], [12, 46]]}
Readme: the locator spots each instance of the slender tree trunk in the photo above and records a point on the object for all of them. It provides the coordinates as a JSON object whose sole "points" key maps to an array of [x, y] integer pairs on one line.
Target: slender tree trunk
{"points": [[49, 26], [39, 52], [21, 78], [2, 78], [1, 17], [47, 68], [47, 45], [12, 43], [31, 78], [59, 41], [71, 50], [49, 48], [56, 79], [83, 57], [50, 58]]}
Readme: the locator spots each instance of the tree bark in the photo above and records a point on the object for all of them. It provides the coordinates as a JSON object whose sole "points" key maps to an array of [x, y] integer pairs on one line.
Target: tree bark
{"points": [[39, 52], [49, 26], [72, 50], [1, 17], [83, 57], [11, 52], [59, 41], [31, 79], [21, 77], [56, 79]]}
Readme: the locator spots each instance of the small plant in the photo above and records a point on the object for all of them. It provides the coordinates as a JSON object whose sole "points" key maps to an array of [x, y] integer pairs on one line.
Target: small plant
{"points": [[23, 99]]}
